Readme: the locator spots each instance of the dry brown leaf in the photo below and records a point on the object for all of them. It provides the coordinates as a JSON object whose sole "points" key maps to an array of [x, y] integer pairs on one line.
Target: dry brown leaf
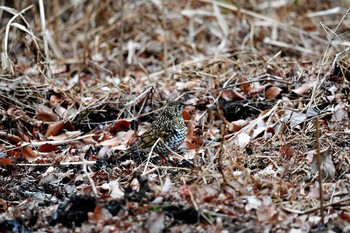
{"points": [[245, 87], [232, 95], [272, 93], [44, 113], [238, 125], [190, 131], [9, 137], [287, 150], [62, 112], [28, 153], [56, 99], [328, 168], [90, 140], [54, 129]]}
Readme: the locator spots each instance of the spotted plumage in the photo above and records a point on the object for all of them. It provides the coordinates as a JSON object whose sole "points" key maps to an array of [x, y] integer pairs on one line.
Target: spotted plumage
{"points": [[169, 128]]}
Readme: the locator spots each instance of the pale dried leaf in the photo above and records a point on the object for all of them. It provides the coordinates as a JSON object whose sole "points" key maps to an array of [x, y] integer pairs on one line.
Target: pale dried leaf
{"points": [[114, 189], [242, 140], [304, 88]]}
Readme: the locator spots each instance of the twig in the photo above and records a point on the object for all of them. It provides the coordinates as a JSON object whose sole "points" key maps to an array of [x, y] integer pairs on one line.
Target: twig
{"points": [[55, 143], [92, 183], [121, 41], [166, 167], [319, 166], [53, 164], [165, 39], [311, 210], [44, 34], [149, 155]]}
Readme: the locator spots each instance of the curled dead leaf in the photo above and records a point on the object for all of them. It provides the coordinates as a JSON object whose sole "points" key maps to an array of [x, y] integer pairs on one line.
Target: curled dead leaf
{"points": [[29, 154], [272, 93], [44, 113], [121, 125], [54, 129]]}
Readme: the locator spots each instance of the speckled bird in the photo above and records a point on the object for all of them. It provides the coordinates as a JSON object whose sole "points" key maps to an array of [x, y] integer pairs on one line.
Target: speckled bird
{"points": [[169, 127]]}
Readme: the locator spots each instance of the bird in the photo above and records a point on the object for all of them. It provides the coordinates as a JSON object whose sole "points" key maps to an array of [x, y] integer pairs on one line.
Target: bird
{"points": [[168, 131]]}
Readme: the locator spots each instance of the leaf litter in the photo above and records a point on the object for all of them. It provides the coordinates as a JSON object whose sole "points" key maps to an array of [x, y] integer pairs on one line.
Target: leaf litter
{"points": [[254, 76]]}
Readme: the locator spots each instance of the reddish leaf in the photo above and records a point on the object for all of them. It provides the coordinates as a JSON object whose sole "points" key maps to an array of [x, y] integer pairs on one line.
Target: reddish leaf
{"points": [[245, 86], [345, 216], [69, 126], [5, 162], [186, 115], [14, 153], [190, 131], [121, 125], [191, 146], [97, 213], [287, 150], [24, 137], [47, 148]]}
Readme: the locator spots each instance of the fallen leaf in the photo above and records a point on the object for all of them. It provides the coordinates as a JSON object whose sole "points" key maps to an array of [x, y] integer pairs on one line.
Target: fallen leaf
{"points": [[304, 88], [29, 154], [232, 95], [47, 148], [328, 168], [121, 125], [242, 140], [113, 188], [287, 151], [54, 129], [272, 93], [340, 113], [44, 113], [5, 162]]}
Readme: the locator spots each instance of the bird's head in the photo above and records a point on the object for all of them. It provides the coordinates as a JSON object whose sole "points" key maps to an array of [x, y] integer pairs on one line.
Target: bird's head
{"points": [[175, 108]]}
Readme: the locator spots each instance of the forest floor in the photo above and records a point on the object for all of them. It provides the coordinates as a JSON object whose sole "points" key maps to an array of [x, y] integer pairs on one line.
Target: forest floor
{"points": [[266, 88]]}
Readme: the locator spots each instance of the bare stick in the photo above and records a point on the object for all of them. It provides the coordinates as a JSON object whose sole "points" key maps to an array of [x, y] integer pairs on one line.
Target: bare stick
{"points": [[319, 165], [149, 155], [165, 43], [44, 34], [121, 41], [93, 187]]}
